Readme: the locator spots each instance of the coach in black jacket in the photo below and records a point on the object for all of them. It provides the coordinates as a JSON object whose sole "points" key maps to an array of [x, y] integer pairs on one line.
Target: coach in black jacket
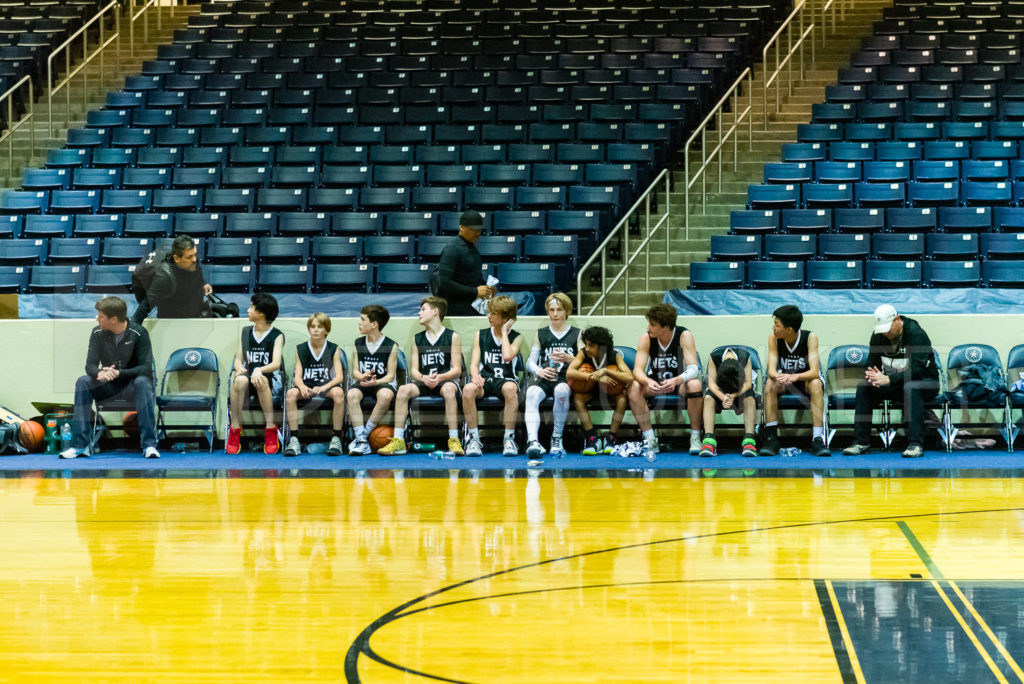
{"points": [[460, 277], [178, 285], [119, 362], [901, 368]]}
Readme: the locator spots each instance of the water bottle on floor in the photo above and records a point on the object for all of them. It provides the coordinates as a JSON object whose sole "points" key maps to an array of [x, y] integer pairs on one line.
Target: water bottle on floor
{"points": [[65, 437]]}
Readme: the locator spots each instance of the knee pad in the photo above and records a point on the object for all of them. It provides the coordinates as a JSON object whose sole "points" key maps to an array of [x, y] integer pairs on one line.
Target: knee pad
{"points": [[694, 395]]}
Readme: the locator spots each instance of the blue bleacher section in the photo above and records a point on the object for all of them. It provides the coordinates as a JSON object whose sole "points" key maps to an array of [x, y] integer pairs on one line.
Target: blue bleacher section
{"points": [[910, 174], [374, 126]]}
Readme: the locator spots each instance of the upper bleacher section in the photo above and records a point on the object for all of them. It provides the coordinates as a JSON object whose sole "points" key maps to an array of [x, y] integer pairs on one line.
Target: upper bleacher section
{"points": [[911, 172], [364, 128]]}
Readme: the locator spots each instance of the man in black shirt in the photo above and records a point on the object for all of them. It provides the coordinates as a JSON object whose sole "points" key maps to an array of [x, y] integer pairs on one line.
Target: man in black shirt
{"points": [[901, 368], [178, 285], [460, 278], [120, 360]]}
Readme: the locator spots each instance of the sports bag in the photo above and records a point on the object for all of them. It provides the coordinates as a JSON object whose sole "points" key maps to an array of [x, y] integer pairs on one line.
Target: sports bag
{"points": [[146, 269]]}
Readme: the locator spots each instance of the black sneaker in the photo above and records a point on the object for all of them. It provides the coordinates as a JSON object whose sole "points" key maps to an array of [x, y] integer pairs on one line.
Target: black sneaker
{"points": [[770, 445], [818, 447], [592, 446], [609, 443]]}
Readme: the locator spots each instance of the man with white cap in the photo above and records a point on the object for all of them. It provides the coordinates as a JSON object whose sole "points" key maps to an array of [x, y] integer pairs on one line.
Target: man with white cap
{"points": [[901, 368]]}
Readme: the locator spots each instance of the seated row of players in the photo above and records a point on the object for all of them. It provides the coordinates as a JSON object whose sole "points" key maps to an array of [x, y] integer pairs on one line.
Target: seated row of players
{"points": [[557, 358], [561, 355]]}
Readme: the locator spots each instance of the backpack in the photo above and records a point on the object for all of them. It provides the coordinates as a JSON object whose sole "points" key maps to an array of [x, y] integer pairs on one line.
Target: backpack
{"points": [[10, 441], [146, 270]]}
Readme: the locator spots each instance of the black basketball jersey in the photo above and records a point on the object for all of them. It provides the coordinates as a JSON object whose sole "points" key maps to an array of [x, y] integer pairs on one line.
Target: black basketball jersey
{"points": [[316, 370], [568, 342], [492, 365], [741, 356], [793, 360], [667, 362], [375, 362], [434, 357], [257, 353]]}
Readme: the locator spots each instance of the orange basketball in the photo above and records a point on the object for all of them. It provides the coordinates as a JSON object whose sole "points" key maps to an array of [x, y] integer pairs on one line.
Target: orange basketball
{"points": [[614, 387], [583, 386], [380, 436], [31, 435], [130, 425]]}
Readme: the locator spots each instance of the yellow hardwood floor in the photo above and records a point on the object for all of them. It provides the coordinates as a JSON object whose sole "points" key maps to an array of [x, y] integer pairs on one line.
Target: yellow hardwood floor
{"points": [[576, 579]]}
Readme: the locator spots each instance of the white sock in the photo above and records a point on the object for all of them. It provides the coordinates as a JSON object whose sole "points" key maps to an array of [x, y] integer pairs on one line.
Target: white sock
{"points": [[474, 433], [649, 434], [819, 432], [360, 432], [771, 424], [453, 434], [399, 433], [534, 395], [369, 426], [695, 433], [510, 434], [561, 409]]}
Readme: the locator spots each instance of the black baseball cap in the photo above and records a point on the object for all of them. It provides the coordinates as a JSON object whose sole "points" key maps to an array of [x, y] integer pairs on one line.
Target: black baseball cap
{"points": [[472, 219]]}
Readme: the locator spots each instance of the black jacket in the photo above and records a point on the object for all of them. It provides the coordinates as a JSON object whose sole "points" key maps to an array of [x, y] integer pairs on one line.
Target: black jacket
{"points": [[133, 356], [460, 272], [174, 293], [911, 352]]}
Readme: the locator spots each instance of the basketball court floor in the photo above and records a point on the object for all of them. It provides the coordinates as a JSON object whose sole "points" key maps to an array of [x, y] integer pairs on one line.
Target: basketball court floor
{"points": [[512, 576]]}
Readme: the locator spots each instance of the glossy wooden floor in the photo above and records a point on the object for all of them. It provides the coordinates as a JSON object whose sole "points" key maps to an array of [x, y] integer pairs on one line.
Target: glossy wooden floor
{"points": [[510, 580]]}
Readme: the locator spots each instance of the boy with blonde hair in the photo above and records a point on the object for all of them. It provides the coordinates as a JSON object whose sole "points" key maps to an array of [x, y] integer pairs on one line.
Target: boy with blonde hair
{"points": [[554, 348], [318, 378]]}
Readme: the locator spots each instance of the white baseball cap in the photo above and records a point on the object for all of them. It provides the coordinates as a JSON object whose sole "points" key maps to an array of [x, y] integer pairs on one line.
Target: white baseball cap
{"points": [[885, 314]]}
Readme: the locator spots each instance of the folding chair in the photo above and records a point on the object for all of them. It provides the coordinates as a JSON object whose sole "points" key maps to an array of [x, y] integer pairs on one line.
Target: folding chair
{"points": [[191, 383]]}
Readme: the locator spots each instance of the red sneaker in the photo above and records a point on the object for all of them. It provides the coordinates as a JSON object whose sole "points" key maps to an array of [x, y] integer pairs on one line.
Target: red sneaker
{"points": [[234, 444], [270, 442]]}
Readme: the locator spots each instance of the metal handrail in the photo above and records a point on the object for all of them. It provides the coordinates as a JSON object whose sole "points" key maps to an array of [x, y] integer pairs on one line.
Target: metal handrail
{"points": [[644, 246], [723, 136], [87, 57], [14, 126], [134, 16]]}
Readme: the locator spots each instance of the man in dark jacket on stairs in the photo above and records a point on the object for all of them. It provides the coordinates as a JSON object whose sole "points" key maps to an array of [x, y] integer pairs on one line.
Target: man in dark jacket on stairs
{"points": [[178, 285]]}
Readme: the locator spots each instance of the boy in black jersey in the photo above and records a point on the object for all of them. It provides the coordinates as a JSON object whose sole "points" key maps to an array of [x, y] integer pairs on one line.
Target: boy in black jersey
{"points": [[666, 363], [257, 363], [374, 368], [554, 348], [493, 373], [730, 386], [611, 372], [435, 366], [792, 368], [318, 377]]}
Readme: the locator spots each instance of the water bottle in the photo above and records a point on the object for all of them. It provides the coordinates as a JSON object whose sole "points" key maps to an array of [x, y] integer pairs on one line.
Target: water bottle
{"points": [[424, 446], [65, 437], [436, 455], [179, 447]]}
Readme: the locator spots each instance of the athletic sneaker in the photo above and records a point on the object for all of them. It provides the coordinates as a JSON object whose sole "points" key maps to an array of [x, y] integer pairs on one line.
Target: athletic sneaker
{"points": [[334, 448], [359, 447], [534, 451], [856, 449], [748, 448], [72, 452], [234, 444], [271, 444], [653, 446], [509, 447], [592, 446], [557, 450], [695, 444], [474, 447], [913, 451], [455, 446], [151, 452], [293, 448], [708, 448], [818, 447], [394, 447], [609, 443], [770, 445]]}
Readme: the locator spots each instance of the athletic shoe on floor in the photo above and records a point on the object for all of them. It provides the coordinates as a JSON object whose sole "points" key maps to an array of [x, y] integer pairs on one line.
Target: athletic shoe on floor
{"points": [[557, 450], [151, 452], [334, 448], [913, 451], [234, 444], [534, 450], [818, 447], [770, 445], [72, 452], [695, 444], [708, 448], [856, 449], [394, 447], [509, 448], [271, 444], [293, 448], [455, 446], [653, 446], [609, 444], [474, 447], [592, 446], [748, 448], [359, 447]]}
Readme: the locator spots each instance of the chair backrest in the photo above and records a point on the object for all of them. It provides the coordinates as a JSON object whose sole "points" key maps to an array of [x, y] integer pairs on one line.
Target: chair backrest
{"points": [[964, 355], [845, 367], [628, 355], [191, 371], [1015, 364], [755, 363]]}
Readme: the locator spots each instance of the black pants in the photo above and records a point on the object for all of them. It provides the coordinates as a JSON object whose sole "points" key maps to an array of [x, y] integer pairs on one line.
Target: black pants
{"points": [[911, 397]]}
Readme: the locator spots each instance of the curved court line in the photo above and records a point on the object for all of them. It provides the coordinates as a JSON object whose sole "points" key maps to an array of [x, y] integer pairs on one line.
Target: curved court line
{"points": [[361, 644]]}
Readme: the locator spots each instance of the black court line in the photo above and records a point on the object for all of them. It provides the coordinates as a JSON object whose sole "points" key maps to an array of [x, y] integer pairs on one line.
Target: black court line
{"points": [[834, 635], [360, 646]]}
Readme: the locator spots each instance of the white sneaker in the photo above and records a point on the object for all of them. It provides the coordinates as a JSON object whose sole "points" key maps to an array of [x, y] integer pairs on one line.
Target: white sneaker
{"points": [[534, 449], [557, 450], [695, 444], [359, 447], [655, 448], [474, 447], [334, 448], [72, 452], [510, 448], [151, 452], [293, 448]]}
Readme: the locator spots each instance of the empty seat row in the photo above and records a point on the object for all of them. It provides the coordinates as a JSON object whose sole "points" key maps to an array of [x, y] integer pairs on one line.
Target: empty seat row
{"points": [[914, 194], [931, 150], [860, 246], [877, 220], [894, 171], [911, 131]]}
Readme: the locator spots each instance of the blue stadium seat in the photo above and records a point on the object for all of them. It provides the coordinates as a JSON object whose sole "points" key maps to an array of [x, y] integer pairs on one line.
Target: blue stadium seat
{"points": [[74, 202], [334, 199], [836, 172], [397, 248], [125, 250], [74, 251], [336, 249], [126, 201], [952, 273], [893, 274], [250, 225], [789, 172], [100, 226], [897, 246], [880, 194], [429, 247], [295, 224], [848, 247], [1009, 273], [790, 247], [23, 252], [753, 221], [48, 226], [283, 250], [231, 250], [536, 278], [773, 196], [409, 277], [948, 246], [1007, 246], [722, 275], [46, 179], [806, 221], [989, 194], [519, 222], [109, 279], [495, 248], [774, 275], [412, 223], [835, 274], [52, 279], [335, 277], [735, 247], [285, 278], [846, 152], [864, 220], [230, 277], [203, 225], [560, 250], [14, 279], [933, 194]]}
